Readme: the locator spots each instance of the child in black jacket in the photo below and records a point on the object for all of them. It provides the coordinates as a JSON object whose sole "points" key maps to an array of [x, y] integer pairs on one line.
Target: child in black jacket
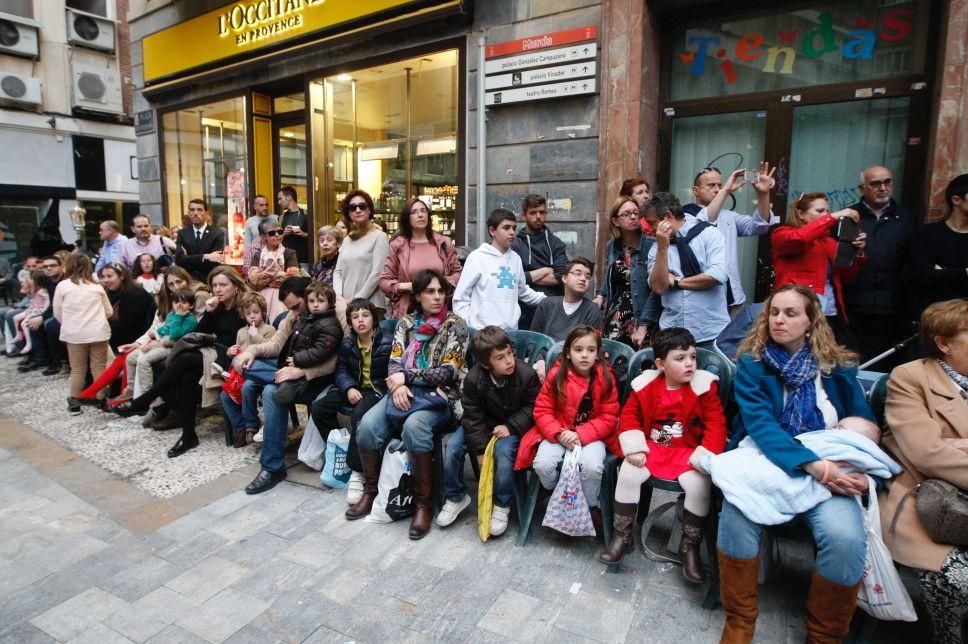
{"points": [[360, 382], [498, 400]]}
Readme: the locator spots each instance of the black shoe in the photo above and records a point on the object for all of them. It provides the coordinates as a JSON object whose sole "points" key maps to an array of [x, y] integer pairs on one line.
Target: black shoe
{"points": [[265, 481], [182, 446], [24, 360], [30, 366], [90, 402], [73, 405], [127, 408], [52, 370]]}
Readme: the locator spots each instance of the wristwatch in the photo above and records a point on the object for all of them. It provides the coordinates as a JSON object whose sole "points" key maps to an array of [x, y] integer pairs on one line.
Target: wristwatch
{"points": [[675, 283]]}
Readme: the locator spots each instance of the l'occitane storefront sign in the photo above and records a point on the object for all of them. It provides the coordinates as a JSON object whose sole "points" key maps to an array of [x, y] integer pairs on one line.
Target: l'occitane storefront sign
{"points": [[248, 26]]}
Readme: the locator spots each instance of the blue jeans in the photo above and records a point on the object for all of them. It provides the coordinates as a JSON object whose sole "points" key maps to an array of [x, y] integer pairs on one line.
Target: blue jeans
{"points": [[838, 532], [505, 451], [418, 429], [246, 415]]}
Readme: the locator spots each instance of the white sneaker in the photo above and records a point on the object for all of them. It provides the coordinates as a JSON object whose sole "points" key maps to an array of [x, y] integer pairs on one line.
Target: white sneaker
{"points": [[258, 436], [354, 489], [499, 520], [450, 511]]}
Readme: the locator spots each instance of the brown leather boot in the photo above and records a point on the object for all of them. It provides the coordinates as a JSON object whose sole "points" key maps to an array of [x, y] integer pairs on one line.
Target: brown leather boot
{"points": [[622, 540], [738, 590], [371, 477], [692, 531], [423, 494], [830, 607]]}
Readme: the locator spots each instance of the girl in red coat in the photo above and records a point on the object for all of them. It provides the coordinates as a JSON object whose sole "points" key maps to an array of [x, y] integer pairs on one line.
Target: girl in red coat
{"points": [[804, 253], [671, 419], [578, 405]]}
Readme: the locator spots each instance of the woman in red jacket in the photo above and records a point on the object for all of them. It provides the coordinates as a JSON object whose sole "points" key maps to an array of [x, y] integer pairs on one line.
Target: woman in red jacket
{"points": [[804, 253], [577, 406]]}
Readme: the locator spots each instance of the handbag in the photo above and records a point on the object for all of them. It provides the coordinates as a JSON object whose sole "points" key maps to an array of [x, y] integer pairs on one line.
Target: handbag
{"points": [[881, 593], [943, 510], [568, 510], [336, 473], [485, 492], [424, 399]]}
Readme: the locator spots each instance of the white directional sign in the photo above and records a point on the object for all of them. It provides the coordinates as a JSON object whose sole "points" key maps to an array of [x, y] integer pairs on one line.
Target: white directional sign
{"points": [[542, 75], [538, 92], [542, 58]]}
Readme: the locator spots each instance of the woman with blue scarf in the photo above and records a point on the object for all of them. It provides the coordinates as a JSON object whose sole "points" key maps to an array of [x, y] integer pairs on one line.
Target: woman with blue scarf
{"points": [[426, 369], [793, 377]]}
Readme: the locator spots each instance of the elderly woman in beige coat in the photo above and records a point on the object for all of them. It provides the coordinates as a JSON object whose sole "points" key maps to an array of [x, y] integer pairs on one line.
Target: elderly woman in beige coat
{"points": [[927, 417]]}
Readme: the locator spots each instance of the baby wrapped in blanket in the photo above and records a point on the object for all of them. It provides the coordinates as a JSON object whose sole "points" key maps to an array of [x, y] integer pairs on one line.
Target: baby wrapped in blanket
{"points": [[768, 496]]}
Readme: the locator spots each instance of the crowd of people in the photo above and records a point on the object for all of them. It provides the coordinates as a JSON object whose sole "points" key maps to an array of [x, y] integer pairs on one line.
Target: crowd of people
{"points": [[159, 326]]}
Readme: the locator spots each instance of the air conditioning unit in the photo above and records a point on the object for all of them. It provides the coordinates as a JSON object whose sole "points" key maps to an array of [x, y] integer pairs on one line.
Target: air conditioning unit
{"points": [[96, 88], [90, 30], [19, 89], [18, 38]]}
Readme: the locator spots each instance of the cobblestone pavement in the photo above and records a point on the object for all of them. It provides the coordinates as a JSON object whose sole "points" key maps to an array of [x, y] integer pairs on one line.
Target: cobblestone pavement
{"points": [[285, 566]]}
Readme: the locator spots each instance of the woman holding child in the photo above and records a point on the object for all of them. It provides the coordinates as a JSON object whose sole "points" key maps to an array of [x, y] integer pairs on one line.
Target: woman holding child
{"points": [[793, 377], [178, 385], [927, 417], [426, 370]]}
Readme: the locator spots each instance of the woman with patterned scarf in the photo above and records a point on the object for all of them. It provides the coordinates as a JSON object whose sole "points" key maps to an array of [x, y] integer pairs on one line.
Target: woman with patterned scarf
{"points": [[793, 377], [927, 419], [426, 370]]}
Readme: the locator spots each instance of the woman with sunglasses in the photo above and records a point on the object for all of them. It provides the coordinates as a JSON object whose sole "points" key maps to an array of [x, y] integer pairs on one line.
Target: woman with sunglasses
{"points": [[362, 254], [416, 247], [624, 293], [275, 263]]}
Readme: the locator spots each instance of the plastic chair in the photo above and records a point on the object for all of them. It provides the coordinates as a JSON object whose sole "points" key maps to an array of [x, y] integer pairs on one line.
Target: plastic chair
{"points": [[388, 326], [619, 356], [877, 397], [529, 346]]}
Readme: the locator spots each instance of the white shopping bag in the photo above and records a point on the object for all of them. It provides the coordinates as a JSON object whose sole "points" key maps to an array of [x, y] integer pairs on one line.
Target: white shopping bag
{"points": [[312, 446], [881, 593], [394, 498], [567, 509]]}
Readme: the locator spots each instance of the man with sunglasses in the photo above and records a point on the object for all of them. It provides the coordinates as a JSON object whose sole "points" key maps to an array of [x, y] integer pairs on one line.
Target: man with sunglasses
{"points": [[875, 300], [707, 185]]}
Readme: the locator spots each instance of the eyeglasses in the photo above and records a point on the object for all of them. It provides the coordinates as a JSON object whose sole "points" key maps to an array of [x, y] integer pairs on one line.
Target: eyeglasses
{"points": [[581, 274], [274, 233], [628, 214], [877, 183], [357, 206]]}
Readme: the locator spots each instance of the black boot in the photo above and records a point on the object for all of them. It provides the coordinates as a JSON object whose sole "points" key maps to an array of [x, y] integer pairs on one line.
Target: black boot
{"points": [[622, 540], [692, 532], [371, 477]]}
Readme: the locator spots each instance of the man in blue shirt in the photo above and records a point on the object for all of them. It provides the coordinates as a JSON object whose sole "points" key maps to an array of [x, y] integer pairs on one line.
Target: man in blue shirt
{"points": [[110, 233], [688, 269]]}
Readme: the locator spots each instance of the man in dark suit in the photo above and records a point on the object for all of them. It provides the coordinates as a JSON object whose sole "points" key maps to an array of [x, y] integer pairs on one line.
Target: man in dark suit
{"points": [[200, 245]]}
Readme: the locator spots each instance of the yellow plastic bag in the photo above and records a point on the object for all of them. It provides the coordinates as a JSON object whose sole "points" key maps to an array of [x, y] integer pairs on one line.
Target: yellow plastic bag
{"points": [[485, 492]]}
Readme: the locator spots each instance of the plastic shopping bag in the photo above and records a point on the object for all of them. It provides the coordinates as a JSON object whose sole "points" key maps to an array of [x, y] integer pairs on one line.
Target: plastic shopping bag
{"points": [[312, 446], [567, 509], [485, 492], [336, 473], [394, 498], [232, 386], [881, 593]]}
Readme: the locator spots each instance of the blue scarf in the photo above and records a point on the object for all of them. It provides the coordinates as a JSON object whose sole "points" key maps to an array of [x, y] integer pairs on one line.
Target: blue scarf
{"points": [[797, 371]]}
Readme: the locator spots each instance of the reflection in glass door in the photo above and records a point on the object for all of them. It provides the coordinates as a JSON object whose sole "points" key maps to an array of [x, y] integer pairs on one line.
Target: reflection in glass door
{"points": [[726, 142], [391, 131], [834, 142], [291, 161]]}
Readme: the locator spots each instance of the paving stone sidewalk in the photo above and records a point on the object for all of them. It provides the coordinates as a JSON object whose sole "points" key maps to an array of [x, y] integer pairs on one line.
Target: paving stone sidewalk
{"points": [[285, 566]]}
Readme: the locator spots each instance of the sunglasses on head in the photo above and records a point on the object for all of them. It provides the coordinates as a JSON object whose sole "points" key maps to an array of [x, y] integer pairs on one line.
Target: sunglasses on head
{"points": [[357, 206]]}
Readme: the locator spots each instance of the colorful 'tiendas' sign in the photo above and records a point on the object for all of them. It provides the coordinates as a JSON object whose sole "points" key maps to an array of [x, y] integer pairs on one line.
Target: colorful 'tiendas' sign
{"points": [[859, 43]]}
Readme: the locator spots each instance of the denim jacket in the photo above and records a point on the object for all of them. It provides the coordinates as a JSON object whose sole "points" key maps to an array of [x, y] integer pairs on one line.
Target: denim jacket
{"points": [[646, 306]]}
